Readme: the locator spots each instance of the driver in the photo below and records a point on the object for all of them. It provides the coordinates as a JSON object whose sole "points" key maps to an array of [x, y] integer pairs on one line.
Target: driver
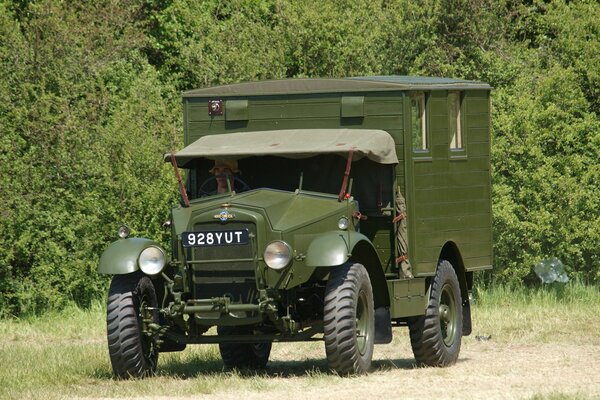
{"points": [[224, 170]]}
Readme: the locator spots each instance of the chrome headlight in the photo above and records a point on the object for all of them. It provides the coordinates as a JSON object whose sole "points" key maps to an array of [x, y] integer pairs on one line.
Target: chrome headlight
{"points": [[278, 255], [152, 260], [123, 231], [343, 223]]}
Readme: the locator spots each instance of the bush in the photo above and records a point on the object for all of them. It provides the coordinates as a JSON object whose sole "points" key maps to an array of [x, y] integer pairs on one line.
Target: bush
{"points": [[89, 103]]}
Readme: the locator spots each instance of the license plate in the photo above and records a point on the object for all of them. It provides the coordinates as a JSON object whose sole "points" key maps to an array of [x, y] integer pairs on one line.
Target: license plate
{"points": [[215, 238]]}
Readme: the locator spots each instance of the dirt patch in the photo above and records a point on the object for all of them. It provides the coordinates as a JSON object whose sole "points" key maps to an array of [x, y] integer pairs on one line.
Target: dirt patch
{"points": [[486, 370]]}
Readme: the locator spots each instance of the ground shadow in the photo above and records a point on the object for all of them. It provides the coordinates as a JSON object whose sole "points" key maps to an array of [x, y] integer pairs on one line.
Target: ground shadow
{"points": [[390, 364], [282, 369]]}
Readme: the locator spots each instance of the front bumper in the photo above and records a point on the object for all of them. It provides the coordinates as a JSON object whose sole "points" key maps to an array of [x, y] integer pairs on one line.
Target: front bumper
{"points": [[222, 311]]}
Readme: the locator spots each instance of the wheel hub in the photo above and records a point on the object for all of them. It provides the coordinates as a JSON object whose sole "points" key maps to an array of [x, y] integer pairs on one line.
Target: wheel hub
{"points": [[362, 323], [148, 341], [447, 315]]}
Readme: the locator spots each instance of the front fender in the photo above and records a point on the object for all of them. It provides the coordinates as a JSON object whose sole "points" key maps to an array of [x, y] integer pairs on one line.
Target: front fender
{"points": [[332, 248], [121, 257]]}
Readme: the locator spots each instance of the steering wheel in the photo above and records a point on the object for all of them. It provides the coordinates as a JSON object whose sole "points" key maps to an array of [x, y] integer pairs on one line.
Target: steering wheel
{"points": [[202, 189]]}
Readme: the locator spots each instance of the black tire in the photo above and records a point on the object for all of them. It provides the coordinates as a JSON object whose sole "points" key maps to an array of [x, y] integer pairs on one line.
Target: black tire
{"points": [[243, 355], [132, 353], [436, 336], [349, 320]]}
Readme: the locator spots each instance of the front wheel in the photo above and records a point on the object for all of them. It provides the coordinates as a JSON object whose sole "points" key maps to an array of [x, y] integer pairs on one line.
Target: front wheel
{"points": [[349, 320], [131, 307], [436, 336]]}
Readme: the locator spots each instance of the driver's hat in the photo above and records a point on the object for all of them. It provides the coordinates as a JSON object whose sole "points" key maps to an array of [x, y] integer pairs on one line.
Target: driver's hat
{"points": [[232, 165]]}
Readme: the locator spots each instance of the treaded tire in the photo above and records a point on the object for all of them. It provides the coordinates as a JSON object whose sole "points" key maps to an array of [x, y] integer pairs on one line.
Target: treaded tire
{"points": [[436, 336], [243, 355], [132, 354], [349, 320]]}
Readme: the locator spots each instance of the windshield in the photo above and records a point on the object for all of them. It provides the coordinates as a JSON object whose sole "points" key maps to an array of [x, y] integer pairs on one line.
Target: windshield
{"points": [[372, 182]]}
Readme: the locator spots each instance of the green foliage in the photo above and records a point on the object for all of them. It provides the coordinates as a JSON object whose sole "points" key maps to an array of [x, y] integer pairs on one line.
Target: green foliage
{"points": [[211, 42], [85, 130], [89, 103], [333, 39], [546, 181], [518, 295]]}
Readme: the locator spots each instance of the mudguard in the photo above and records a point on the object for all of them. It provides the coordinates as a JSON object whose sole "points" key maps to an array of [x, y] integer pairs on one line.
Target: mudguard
{"points": [[121, 257], [333, 248]]}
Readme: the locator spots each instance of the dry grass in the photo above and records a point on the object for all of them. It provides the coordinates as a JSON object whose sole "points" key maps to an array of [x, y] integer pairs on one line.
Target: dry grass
{"points": [[543, 345]]}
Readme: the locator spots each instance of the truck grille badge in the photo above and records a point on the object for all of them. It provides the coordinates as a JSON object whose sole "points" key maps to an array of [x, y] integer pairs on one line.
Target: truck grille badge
{"points": [[224, 216]]}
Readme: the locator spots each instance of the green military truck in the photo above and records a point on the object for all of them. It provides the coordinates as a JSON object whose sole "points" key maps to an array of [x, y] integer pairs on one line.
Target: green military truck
{"points": [[357, 205]]}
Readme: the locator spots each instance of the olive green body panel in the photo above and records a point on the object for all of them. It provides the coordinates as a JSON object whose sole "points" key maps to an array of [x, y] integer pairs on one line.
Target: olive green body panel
{"points": [[121, 256], [284, 211], [332, 249], [379, 230], [409, 297], [449, 196]]}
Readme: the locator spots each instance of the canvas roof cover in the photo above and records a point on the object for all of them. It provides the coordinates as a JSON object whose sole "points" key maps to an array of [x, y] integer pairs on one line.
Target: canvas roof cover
{"points": [[377, 145]]}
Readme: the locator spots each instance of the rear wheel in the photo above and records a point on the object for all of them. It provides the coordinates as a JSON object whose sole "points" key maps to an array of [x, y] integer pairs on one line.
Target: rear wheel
{"points": [[131, 307], [436, 336], [243, 355], [349, 320]]}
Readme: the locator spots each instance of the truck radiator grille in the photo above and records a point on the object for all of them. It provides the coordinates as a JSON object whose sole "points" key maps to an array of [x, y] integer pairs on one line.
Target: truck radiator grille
{"points": [[235, 278]]}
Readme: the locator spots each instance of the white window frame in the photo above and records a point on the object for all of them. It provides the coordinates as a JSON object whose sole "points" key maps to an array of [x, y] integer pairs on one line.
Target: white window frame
{"points": [[455, 121], [421, 99]]}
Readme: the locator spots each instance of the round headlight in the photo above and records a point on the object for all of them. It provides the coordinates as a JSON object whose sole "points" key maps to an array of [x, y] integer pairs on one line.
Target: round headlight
{"points": [[123, 231], [152, 260], [278, 255], [343, 223]]}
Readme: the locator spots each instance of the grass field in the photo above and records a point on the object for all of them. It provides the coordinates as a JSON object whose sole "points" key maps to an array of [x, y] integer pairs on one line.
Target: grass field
{"points": [[541, 331]]}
